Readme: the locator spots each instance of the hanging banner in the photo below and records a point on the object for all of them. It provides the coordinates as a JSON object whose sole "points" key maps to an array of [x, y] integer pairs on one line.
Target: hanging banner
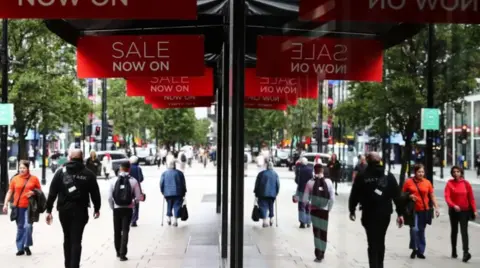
{"points": [[140, 56], [99, 9], [179, 105], [323, 58], [280, 107], [179, 99], [409, 11], [271, 100], [172, 86], [299, 87]]}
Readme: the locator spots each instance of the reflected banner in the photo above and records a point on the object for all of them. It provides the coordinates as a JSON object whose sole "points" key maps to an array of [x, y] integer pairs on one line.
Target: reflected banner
{"points": [[99, 9], [409, 11], [266, 106], [271, 100], [320, 58], [297, 87], [140, 56], [172, 86], [166, 102]]}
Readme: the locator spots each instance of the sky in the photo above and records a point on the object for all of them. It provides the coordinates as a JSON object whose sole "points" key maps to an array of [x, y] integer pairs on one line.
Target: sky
{"points": [[201, 112]]}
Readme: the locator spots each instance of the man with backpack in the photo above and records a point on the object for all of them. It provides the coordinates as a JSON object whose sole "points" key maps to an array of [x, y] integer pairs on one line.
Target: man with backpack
{"points": [[123, 194], [74, 185]]}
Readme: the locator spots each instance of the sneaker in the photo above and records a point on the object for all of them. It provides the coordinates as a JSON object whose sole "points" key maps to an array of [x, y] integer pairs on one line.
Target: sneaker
{"points": [[308, 225], [302, 226], [317, 260], [123, 258], [20, 253], [265, 225], [454, 255], [413, 254], [134, 224], [421, 256], [466, 257], [175, 224], [27, 250]]}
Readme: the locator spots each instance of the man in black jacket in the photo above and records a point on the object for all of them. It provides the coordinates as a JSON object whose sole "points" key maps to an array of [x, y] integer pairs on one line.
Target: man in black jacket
{"points": [[74, 185], [375, 191]]}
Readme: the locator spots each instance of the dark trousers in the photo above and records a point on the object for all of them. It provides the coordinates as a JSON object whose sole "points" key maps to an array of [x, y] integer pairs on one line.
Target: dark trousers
{"points": [[376, 228], [73, 223], [266, 204], [121, 227], [136, 213], [457, 218], [174, 203]]}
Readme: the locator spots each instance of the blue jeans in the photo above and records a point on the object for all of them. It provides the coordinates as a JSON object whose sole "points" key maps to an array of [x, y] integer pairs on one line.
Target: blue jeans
{"points": [[24, 230], [303, 214], [417, 232], [136, 212], [266, 204], [174, 203]]}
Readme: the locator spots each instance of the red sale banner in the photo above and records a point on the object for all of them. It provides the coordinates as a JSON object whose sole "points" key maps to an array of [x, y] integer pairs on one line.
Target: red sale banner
{"points": [[410, 11], [172, 85], [98, 9], [179, 99], [271, 100], [140, 56], [325, 58], [179, 105], [266, 106], [299, 87]]}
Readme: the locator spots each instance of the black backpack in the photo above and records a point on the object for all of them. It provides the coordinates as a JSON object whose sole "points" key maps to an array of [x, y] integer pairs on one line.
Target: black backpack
{"points": [[320, 192], [183, 158], [72, 193], [122, 192]]}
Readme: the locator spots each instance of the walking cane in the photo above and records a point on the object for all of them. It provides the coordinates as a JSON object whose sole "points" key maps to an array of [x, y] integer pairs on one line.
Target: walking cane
{"points": [[163, 210], [276, 214]]}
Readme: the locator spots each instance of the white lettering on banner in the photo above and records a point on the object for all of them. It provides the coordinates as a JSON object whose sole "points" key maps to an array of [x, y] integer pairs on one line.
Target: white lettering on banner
{"points": [[265, 99], [145, 54], [179, 98], [169, 88], [432, 5], [47, 3], [302, 67], [314, 52], [278, 81], [170, 80], [278, 89]]}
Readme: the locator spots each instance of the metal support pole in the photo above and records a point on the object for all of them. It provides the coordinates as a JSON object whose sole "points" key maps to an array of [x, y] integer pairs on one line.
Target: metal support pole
{"points": [[219, 152], [44, 157], [430, 103], [225, 145], [320, 118], [82, 142], [442, 139], [237, 67], [4, 129], [104, 133]]}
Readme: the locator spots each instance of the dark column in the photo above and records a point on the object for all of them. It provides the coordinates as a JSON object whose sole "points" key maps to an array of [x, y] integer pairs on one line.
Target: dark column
{"points": [[219, 153], [225, 147], [104, 133], [430, 103], [44, 157], [237, 65], [320, 119], [4, 137]]}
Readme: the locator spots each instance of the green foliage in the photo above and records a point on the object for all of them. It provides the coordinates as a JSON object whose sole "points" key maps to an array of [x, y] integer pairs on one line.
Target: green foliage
{"points": [[301, 117], [403, 92], [177, 125], [259, 124], [43, 88], [201, 131]]}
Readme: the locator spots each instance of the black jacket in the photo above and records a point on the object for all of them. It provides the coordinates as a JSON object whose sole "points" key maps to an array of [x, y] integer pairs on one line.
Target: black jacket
{"points": [[375, 191], [37, 204], [94, 165], [85, 182]]}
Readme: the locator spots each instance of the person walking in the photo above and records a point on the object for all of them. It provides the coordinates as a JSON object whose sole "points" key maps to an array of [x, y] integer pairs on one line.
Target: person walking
{"points": [[173, 188], [74, 185], [320, 196], [375, 191], [124, 194], [461, 208], [267, 186], [334, 170], [182, 161], [304, 174], [477, 164], [360, 167], [107, 165], [136, 172], [21, 188], [93, 163], [420, 191]]}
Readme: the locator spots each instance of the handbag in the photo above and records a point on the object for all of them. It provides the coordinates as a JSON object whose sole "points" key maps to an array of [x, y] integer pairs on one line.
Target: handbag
{"points": [[430, 212], [256, 212], [184, 211], [14, 212], [143, 196]]}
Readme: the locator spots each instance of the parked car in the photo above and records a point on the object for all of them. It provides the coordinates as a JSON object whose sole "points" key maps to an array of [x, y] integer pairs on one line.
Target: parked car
{"points": [[118, 157], [281, 158], [324, 159], [146, 156]]}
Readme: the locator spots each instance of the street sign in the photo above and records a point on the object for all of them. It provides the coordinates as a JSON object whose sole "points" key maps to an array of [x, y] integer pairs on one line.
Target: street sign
{"points": [[6, 114], [430, 119]]}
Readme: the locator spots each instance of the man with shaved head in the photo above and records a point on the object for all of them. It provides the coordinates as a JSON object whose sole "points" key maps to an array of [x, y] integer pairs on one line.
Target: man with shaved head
{"points": [[374, 191], [74, 185]]}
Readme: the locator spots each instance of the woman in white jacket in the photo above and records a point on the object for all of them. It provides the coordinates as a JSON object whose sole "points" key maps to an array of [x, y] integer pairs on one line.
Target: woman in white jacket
{"points": [[107, 165]]}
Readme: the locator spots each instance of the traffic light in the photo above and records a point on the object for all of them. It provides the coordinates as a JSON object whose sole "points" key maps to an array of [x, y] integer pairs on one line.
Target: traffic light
{"points": [[464, 134], [325, 133], [88, 130], [110, 131], [98, 131], [90, 88]]}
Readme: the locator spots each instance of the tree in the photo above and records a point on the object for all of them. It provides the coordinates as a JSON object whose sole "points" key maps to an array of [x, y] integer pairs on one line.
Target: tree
{"points": [[177, 125], [43, 88], [259, 125], [403, 92], [300, 118], [201, 131]]}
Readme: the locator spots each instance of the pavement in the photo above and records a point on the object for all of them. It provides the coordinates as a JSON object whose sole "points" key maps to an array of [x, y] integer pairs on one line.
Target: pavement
{"points": [[195, 243]]}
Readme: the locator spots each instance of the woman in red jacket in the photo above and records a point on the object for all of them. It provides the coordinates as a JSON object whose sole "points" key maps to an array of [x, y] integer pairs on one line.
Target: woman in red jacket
{"points": [[462, 208]]}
